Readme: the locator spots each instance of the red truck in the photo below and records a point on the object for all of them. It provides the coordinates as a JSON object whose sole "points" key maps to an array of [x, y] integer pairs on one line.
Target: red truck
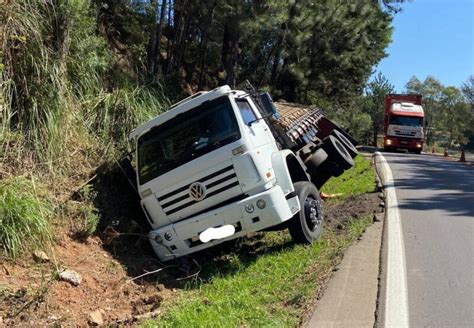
{"points": [[403, 122]]}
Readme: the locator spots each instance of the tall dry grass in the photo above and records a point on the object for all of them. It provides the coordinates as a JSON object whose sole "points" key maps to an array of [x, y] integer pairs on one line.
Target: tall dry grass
{"points": [[65, 107], [56, 87]]}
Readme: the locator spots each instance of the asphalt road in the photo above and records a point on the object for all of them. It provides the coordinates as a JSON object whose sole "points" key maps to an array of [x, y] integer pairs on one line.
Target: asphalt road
{"points": [[436, 205]]}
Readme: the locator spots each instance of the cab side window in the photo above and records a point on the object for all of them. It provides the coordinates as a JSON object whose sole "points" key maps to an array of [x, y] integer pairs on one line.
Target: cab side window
{"points": [[247, 113]]}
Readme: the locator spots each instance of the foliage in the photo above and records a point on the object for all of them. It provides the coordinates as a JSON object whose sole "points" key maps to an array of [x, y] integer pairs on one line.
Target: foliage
{"points": [[467, 89], [292, 47], [24, 217], [454, 114], [446, 110], [374, 103], [62, 86], [79, 72], [77, 76], [83, 215]]}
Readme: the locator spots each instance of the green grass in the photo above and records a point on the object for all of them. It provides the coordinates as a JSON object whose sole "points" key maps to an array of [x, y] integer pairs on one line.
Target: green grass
{"points": [[270, 290], [356, 181], [266, 281], [24, 217]]}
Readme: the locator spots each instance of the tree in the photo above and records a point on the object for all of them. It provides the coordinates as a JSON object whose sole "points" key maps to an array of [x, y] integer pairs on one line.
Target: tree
{"points": [[454, 114], [431, 90], [376, 91], [467, 89], [342, 60], [446, 109]]}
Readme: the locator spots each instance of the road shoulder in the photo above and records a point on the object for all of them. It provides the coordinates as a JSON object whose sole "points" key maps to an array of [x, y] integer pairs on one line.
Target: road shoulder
{"points": [[350, 297]]}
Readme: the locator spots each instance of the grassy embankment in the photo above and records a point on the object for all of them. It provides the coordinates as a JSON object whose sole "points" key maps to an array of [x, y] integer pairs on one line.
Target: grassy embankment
{"points": [[270, 282], [66, 108]]}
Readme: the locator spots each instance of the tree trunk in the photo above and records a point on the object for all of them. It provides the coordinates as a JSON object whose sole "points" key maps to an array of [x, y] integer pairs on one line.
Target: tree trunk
{"points": [[230, 54], [276, 63], [376, 132], [159, 33], [182, 41], [168, 43], [204, 49], [182, 14], [152, 41]]}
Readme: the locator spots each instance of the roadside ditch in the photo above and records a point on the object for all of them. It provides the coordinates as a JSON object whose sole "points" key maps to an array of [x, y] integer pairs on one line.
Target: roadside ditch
{"points": [[258, 280]]}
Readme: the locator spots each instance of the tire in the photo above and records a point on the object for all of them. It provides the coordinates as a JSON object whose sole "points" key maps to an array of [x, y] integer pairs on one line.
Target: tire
{"points": [[337, 152], [316, 160], [351, 149], [306, 226]]}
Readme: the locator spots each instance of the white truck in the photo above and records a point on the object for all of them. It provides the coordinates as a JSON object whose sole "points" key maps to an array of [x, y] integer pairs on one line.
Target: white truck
{"points": [[223, 163]]}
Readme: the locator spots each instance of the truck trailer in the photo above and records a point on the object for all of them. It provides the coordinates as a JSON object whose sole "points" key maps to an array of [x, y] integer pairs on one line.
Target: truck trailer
{"points": [[223, 163], [403, 123]]}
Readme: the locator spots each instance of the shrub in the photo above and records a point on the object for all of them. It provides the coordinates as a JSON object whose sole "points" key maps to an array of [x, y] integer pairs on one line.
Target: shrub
{"points": [[24, 217]]}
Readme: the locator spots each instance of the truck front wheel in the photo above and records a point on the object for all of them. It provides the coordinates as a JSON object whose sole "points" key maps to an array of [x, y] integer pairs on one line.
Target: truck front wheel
{"points": [[306, 226]]}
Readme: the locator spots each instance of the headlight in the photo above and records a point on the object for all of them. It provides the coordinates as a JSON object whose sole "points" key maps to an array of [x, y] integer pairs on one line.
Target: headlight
{"points": [[388, 142], [168, 236], [261, 204]]}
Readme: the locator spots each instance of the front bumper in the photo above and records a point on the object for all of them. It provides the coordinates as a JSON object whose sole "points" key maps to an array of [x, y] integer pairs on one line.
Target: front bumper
{"points": [[181, 238]]}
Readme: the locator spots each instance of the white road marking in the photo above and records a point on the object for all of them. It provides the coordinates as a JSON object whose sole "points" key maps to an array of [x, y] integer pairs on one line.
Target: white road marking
{"points": [[396, 301]]}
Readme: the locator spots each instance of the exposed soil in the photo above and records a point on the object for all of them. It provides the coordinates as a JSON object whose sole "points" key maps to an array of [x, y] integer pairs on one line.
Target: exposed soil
{"points": [[338, 212], [31, 294]]}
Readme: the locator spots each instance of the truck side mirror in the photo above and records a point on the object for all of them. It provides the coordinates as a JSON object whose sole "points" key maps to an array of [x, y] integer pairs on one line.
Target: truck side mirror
{"points": [[268, 106]]}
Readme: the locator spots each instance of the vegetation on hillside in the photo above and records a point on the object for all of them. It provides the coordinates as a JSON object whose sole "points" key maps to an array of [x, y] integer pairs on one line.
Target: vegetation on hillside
{"points": [[77, 76], [449, 110]]}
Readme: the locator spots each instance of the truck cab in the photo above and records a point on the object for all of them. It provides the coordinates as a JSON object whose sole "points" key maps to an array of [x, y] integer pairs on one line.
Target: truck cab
{"points": [[403, 126]]}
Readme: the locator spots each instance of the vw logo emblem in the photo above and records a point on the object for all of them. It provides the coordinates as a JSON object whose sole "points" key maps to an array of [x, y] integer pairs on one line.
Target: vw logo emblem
{"points": [[197, 191]]}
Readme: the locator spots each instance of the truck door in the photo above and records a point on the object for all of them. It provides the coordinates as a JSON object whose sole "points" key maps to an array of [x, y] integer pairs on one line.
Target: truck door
{"points": [[256, 126]]}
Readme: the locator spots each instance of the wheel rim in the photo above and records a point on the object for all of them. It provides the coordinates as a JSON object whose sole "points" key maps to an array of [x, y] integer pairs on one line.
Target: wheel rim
{"points": [[312, 217]]}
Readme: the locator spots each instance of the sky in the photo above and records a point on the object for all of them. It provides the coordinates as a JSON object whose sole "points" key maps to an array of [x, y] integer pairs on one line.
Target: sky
{"points": [[431, 37]]}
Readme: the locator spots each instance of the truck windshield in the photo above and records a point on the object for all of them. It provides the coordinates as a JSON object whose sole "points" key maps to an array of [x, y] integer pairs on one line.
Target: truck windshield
{"points": [[406, 120], [186, 137]]}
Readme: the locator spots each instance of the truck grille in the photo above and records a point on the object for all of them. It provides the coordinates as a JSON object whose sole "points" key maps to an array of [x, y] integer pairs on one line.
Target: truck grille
{"points": [[403, 133], [215, 183]]}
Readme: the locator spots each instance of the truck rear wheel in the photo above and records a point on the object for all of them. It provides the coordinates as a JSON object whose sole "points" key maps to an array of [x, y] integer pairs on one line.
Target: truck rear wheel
{"points": [[351, 149], [337, 152], [306, 225]]}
